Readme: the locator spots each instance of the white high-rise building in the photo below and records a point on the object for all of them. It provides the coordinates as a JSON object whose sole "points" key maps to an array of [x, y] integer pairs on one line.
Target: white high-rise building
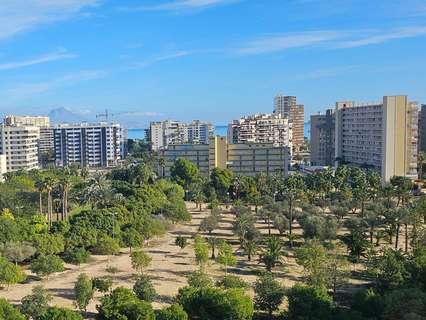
{"points": [[262, 128], [287, 107], [382, 136], [88, 145], [161, 134], [19, 144]]}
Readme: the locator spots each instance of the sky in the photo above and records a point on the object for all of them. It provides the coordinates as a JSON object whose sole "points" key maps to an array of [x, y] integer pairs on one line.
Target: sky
{"points": [[213, 60]]}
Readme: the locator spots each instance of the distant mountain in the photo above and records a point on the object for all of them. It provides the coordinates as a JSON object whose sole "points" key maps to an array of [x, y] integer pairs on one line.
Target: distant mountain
{"points": [[61, 115]]}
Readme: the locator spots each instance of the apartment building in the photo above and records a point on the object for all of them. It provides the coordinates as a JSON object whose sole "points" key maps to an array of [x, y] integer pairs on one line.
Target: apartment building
{"points": [[161, 134], [88, 145], [19, 144], [3, 167], [382, 136], [287, 107], [422, 128], [322, 139], [243, 158], [45, 143], [261, 128]]}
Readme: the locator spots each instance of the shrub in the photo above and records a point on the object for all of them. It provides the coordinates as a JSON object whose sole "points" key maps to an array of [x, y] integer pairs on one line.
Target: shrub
{"points": [[102, 284], [199, 279], [8, 312], [144, 289], [77, 256], [56, 313], [44, 266], [174, 312], [231, 282], [106, 246], [36, 304]]}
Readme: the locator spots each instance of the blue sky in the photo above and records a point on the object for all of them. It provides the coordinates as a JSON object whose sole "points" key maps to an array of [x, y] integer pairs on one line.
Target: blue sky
{"points": [[209, 59]]}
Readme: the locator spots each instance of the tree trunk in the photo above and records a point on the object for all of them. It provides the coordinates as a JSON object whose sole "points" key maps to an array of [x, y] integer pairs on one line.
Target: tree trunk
{"points": [[371, 236], [41, 202], [397, 236], [406, 237]]}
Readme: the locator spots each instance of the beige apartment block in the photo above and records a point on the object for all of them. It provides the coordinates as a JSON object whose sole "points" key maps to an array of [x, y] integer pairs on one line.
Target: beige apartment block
{"points": [[243, 158], [20, 146], [322, 139], [3, 167], [382, 136]]}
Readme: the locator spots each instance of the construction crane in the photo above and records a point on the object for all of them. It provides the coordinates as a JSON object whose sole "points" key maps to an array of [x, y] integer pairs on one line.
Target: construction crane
{"points": [[106, 115]]}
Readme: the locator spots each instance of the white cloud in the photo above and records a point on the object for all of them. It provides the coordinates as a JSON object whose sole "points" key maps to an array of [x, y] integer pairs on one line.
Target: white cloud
{"points": [[170, 56], [381, 37], [280, 42], [49, 57], [70, 79], [17, 16], [329, 39], [179, 5]]}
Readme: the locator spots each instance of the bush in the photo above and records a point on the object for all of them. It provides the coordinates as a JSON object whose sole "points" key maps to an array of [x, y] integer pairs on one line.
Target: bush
{"points": [[83, 291], [36, 304], [77, 256], [56, 313], [140, 260], [44, 266], [102, 284], [106, 246], [269, 294], [369, 303], [199, 279], [8, 312], [231, 282], [215, 303], [10, 273], [307, 303], [144, 289], [174, 312], [122, 304]]}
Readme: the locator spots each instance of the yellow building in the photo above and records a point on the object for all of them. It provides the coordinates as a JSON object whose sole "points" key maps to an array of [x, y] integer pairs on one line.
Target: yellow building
{"points": [[246, 159]]}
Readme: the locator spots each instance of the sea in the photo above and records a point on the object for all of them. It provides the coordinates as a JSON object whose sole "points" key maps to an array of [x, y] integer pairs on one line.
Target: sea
{"points": [[220, 130]]}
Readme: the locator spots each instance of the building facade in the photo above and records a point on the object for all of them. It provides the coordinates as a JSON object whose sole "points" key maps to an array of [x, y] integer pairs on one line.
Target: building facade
{"points": [[161, 134], [46, 141], [382, 136], [322, 139], [19, 144], [287, 107], [3, 167], [245, 158], [274, 129], [422, 128], [88, 145]]}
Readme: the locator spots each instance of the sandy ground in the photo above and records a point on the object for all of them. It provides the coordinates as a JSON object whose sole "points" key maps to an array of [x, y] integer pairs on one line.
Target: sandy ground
{"points": [[169, 268]]}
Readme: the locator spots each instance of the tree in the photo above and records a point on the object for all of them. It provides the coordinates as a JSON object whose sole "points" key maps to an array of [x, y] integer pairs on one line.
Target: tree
{"points": [[83, 291], [103, 284], [421, 158], [44, 266], [140, 260], [313, 258], [389, 269], [181, 242], [76, 255], [144, 289], [18, 251], [231, 282], [308, 303], [210, 223], [132, 238], [201, 249], [273, 253], [184, 172], [268, 215], [48, 244], [404, 304], [292, 189], [199, 279], [36, 304], [213, 242], [8, 312], [10, 273], [356, 240], [173, 312], [105, 245], [221, 180], [215, 303], [121, 303], [402, 187], [281, 223], [57, 313], [269, 293], [226, 256]]}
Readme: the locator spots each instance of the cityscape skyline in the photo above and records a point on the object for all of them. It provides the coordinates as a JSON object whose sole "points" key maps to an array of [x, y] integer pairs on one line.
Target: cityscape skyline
{"points": [[160, 60]]}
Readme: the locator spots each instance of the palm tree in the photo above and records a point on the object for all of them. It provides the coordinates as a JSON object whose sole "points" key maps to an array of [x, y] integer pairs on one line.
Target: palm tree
{"points": [[273, 253], [65, 184], [293, 190], [41, 188], [268, 215], [49, 183], [421, 158]]}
